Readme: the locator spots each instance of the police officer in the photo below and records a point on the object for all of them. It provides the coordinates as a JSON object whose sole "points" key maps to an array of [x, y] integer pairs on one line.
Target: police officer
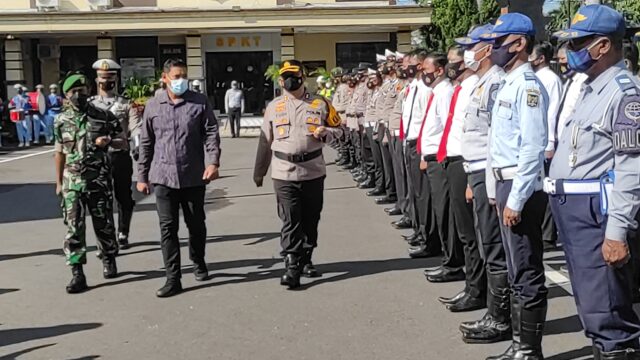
{"points": [[20, 103], [363, 175], [83, 177], [495, 325], [594, 182], [517, 144], [55, 106], [340, 101], [296, 127], [121, 162], [352, 123], [371, 123]]}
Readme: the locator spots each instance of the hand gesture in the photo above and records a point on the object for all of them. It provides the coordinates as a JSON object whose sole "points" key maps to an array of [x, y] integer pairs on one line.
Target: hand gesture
{"points": [[144, 188], [510, 217], [210, 173], [615, 253]]}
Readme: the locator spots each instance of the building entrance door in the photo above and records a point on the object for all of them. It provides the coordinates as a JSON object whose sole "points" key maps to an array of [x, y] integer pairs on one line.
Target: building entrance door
{"points": [[247, 68]]}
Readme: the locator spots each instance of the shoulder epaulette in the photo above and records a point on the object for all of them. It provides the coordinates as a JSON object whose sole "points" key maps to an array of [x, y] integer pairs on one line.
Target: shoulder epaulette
{"points": [[627, 85], [530, 76]]}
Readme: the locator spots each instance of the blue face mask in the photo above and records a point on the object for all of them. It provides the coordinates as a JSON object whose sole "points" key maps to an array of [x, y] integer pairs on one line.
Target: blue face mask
{"points": [[581, 60], [179, 86]]}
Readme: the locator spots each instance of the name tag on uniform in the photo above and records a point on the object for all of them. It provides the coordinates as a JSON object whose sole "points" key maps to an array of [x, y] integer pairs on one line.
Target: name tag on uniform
{"points": [[504, 104]]}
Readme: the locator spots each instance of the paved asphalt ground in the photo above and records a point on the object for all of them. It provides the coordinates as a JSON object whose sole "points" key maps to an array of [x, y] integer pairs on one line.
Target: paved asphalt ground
{"points": [[372, 302]]}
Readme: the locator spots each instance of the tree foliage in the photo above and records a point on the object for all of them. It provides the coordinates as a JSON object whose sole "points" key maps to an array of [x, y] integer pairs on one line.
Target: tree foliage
{"points": [[630, 9], [560, 18], [453, 18]]}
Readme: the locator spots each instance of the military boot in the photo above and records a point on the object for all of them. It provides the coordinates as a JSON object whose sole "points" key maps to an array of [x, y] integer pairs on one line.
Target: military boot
{"points": [[308, 270], [516, 310], [495, 326], [78, 282], [109, 269], [626, 354], [123, 241], [291, 277], [531, 328]]}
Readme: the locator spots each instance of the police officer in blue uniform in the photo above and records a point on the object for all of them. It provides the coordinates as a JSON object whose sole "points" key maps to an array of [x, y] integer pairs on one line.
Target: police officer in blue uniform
{"points": [[594, 182], [517, 143]]}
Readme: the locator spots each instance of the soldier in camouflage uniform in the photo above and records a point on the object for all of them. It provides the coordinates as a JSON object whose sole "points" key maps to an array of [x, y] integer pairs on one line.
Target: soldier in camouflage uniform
{"points": [[83, 135]]}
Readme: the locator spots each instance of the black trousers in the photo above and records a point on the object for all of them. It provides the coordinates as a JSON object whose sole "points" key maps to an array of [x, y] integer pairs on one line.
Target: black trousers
{"points": [[453, 254], [122, 171], [420, 188], [463, 228], [168, 202], [388, 168], [234, 118], [549, 229], [367, 154], [487, 224], [400, 175], [299, 207], [356, 141], [378, 166], [523, 247]]}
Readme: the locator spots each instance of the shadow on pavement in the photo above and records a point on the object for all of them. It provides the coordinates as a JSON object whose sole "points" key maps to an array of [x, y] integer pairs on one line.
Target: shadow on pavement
{"points": [[28, 202], [557, 292], [17, 354], [41, 253], [570, 324], [6, 291], [583, 353], [89, 357], [15, 336]]}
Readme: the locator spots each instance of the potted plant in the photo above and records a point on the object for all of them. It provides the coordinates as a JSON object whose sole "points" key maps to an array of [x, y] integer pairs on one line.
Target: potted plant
{"points": [[139, 91]]}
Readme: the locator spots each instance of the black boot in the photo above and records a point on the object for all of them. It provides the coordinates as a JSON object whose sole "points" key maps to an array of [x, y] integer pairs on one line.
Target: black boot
{"points": [[495, 326], [171, 288], [516, 310], [291, 277], [627, 354], [78, 282], [123, 241], [531, 328], [109, 269], [308, 270]]}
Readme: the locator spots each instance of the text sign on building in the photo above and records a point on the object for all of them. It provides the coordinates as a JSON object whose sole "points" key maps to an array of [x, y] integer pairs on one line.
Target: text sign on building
{"points": [[246, 42], [238, 42]]}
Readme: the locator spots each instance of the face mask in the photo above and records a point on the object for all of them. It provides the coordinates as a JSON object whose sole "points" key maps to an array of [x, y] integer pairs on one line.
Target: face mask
{"points": [[370, 85], [428, 78], [412, 71], [20, 92], [292, 83], [179, 86], [565, 70], [108, 86], [581, 60], [402, 73], [501, 56], [329, 84], [454, 70], [80, 101], [385, 71]]}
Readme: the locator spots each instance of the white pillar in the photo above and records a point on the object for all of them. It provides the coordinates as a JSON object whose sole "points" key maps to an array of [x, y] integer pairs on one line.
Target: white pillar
{"points": [[287, 45], [106, 48], [14, 66]]}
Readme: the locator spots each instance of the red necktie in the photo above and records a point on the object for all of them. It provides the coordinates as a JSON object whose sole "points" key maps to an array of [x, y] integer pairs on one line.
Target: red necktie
{"points": [[424, 120], [442, 149]]}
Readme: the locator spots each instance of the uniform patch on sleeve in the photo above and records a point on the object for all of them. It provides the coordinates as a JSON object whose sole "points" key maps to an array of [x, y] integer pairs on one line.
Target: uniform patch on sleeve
{"points": [[533, 98], [626, 126]]}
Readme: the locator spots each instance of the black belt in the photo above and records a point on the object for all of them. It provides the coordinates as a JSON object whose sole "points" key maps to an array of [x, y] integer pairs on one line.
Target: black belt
{"points": [[412, 142], [298, 158], [453, 158], [430, 158]]}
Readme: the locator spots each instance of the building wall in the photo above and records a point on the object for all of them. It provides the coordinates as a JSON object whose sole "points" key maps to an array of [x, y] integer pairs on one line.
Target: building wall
{"points": [[315, 47], [15, 5]]}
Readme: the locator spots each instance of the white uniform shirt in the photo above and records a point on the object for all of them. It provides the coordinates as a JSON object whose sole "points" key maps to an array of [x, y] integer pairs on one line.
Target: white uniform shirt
{"points": [[436, 118], [454, 142], [572, 89], [553, 84], [422, 92]]}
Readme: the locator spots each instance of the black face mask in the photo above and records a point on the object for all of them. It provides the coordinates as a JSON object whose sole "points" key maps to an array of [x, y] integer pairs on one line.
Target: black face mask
{"points": [[80, 101], [293, 83], [501, 56], [108, 86], [428, 78], [371, 85], [412, 70], [402, 73], [385, 71], [20, 92], [454, 70]]}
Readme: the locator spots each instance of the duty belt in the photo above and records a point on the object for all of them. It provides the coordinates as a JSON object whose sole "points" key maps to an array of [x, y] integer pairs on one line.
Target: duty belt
{"points": [[298, 158], [571, 187], [474, 166], [507, 173]]}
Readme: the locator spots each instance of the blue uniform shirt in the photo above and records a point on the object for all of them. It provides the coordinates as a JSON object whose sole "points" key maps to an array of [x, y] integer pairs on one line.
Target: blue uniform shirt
{"points": [[601, 135], [519, 132]]}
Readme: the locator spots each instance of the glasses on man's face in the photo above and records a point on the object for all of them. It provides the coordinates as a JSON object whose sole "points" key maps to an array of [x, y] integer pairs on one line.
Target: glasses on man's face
{"points": [[577, 44]]}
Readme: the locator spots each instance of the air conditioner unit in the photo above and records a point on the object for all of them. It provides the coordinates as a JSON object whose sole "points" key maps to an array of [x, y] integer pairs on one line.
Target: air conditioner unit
{"points": [[48, 51], [100, 4], [47, 5]]}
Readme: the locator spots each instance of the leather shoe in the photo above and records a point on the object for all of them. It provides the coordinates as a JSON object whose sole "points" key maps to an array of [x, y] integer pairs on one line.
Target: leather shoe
{"points": [[375, 192], [409, 238], [367, 184], [403, 223], [169, 289], [446, 276], [394, 211], [468, 303], [385, 200], [421, 251], [452, 300], [432, 272], [200, 271], [109, 269]]}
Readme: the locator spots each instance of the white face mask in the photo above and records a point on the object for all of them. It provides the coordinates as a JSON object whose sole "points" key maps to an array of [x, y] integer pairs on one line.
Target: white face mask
{"points": [[470, 59]]}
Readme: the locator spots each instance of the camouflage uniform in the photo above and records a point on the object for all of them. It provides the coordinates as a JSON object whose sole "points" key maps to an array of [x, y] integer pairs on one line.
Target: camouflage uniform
{"points": [[86, 185]]}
